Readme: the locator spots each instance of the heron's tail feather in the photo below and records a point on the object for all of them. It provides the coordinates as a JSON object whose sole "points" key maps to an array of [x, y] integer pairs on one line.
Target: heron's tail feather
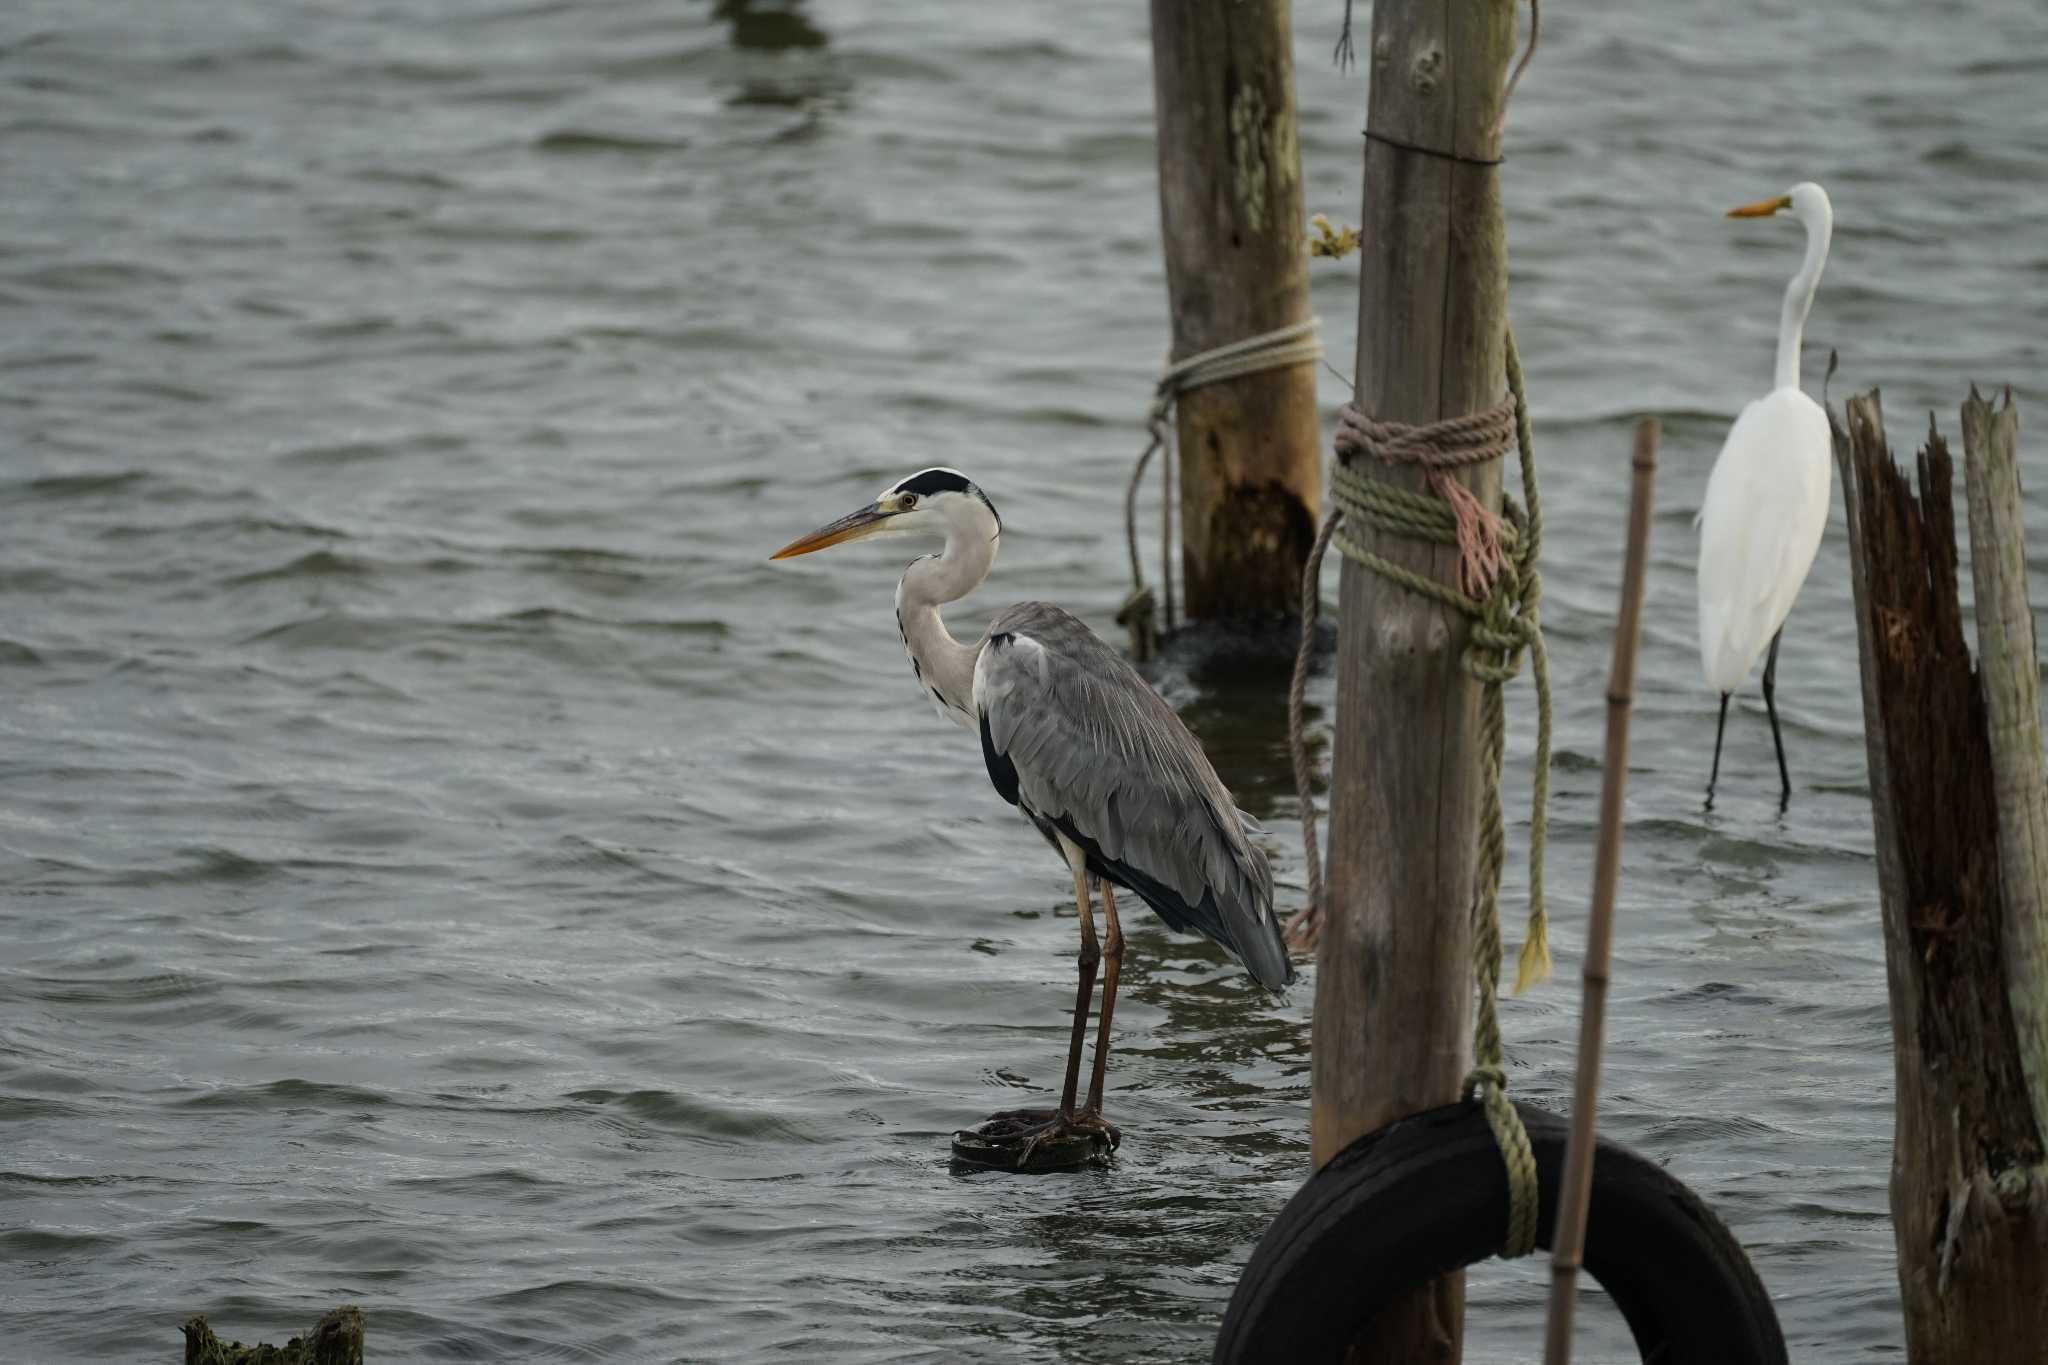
{"points": [[1248, 933]]}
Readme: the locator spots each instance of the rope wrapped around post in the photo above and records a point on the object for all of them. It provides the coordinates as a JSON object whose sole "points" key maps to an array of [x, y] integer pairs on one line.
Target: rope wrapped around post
{"points": [[1294, 344], [1499, 588]]}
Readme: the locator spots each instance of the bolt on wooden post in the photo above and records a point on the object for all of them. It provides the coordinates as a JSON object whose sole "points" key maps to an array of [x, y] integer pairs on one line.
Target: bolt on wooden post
{"points": [[1393, 1009], [1230, 208]]}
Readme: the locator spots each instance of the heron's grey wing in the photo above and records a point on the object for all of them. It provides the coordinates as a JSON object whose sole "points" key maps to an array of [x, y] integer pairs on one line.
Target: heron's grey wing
{"points": [[1082, 743]]}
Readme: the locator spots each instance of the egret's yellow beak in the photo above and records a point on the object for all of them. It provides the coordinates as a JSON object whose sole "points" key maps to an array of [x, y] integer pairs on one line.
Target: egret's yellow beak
{"points": [[852, 526], [1762, 208]]}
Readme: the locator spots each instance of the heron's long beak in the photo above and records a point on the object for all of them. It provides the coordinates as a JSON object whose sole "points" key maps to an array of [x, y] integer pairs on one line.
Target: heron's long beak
{"points": [[852, 526], [1762, 208]]}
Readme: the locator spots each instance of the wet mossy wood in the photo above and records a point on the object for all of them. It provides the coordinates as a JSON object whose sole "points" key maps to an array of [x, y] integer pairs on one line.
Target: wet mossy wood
{"points": [[1230, 208], [1393, 1009], [1969, 1192], [337, 1339]]}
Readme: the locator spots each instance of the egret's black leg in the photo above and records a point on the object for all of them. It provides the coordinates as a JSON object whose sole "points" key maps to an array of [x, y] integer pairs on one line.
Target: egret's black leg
{"points": [[1771, 705], [1719, 729], [1112, 959]]}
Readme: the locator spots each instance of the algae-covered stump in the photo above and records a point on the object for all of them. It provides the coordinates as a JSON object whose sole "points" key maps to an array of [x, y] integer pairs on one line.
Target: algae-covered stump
{"points": [[337, 1339]]}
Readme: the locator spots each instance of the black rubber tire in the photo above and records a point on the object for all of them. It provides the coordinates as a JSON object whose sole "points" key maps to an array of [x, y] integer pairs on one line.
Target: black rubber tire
{"points": [[1427, 1195]]}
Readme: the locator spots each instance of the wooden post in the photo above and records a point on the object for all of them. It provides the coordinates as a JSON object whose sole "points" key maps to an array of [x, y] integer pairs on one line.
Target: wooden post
{"points": [[1236, 267], [1969, 1191], [1393, 1009], [2011, 678]]}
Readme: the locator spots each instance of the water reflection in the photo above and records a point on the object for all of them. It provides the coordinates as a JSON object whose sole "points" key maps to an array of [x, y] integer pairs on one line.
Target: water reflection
{"points": [[782, 62]]}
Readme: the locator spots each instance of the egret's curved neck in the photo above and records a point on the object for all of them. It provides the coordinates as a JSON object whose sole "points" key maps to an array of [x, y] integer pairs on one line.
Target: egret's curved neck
{"points": [[1799, 298], [944, 665]]}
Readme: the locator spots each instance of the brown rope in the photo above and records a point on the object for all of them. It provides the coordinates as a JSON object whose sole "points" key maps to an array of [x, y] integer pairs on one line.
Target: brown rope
{"points": [[1528, 55], [1441, 448], [1300, 929], [1168, 514]]}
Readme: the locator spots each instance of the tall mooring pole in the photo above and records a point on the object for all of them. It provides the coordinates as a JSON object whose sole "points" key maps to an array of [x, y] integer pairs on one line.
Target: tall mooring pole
{"points": [[1393, 1010], [1236, 267]]}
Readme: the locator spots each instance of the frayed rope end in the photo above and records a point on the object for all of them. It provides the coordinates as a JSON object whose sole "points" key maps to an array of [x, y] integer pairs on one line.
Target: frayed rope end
{"points": [[1481, 555], [1533, 967]]}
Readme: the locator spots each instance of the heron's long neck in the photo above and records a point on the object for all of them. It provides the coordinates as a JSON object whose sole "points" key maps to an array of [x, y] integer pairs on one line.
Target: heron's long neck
{"points": [[1799, 301], [944, 665]]}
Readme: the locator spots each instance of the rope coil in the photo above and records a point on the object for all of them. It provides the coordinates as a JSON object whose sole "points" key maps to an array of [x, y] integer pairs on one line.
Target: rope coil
{"points": [[1499, 589], [1295, 344]]}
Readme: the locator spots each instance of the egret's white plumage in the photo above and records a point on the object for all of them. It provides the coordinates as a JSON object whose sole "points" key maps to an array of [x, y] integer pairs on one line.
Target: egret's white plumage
{"points": [[1767, 499], [1760, 527]]}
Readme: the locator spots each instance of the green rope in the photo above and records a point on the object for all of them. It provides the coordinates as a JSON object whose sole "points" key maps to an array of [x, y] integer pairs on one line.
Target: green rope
{"points": [[1504, 625]]}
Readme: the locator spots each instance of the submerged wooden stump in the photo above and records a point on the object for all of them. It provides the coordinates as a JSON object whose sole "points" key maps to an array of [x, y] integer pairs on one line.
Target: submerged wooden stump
{"points": [[1004, 1143], [337, 1339]]}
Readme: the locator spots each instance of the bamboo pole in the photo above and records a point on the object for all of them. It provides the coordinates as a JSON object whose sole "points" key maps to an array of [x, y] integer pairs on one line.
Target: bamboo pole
{"points": [[1393, 1008], [1969, 1187], [1230, 208], [1568, 1239]]}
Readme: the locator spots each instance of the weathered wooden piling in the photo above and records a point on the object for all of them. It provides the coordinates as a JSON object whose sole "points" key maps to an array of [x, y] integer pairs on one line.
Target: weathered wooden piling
{"points": [[1230, 207], [1960, 806], [1393, 1009], [2009, 673]]}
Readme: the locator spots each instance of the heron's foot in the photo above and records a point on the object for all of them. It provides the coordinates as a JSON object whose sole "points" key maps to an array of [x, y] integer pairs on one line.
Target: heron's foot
{"points": [[1038, 1140], [1064, 1128]]}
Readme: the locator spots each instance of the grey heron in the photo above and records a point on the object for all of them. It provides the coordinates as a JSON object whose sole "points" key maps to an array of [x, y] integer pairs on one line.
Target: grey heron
{"points": [[1075, 738]]}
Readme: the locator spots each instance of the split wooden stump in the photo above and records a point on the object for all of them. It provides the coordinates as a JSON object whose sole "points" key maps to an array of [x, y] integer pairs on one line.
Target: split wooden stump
{"points": [[1960, 805]]}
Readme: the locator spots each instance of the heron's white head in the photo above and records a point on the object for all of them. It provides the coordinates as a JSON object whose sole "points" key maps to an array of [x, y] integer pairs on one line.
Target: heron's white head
{"points": [[936, 501], [1808, 202]]}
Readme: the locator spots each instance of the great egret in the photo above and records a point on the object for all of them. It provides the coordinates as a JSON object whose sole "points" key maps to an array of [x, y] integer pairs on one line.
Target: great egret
{"points": [[1767, 499], [1073, 736]]}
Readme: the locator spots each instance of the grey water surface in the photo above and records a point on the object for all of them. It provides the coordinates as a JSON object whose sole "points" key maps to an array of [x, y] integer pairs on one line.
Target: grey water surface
{"points": [[447, 868]]}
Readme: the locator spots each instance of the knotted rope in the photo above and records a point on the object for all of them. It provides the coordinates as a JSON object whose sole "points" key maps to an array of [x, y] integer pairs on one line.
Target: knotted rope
{"points": [[1499, 588], [1295, 344], [1441, 448]]}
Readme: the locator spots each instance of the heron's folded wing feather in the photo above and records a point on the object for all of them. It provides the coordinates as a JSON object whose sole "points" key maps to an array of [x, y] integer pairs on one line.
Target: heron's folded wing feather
{"points": [[1096, 750]]}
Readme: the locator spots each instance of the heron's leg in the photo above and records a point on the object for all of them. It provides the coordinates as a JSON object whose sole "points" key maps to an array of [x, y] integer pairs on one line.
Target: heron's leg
{"points": [[1112, 958], [1719, 730], [1090, 955], [1771, 705]]}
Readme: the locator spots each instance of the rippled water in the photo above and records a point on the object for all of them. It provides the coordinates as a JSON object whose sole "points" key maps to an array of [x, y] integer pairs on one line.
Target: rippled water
{"points": [[447, 868]]}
